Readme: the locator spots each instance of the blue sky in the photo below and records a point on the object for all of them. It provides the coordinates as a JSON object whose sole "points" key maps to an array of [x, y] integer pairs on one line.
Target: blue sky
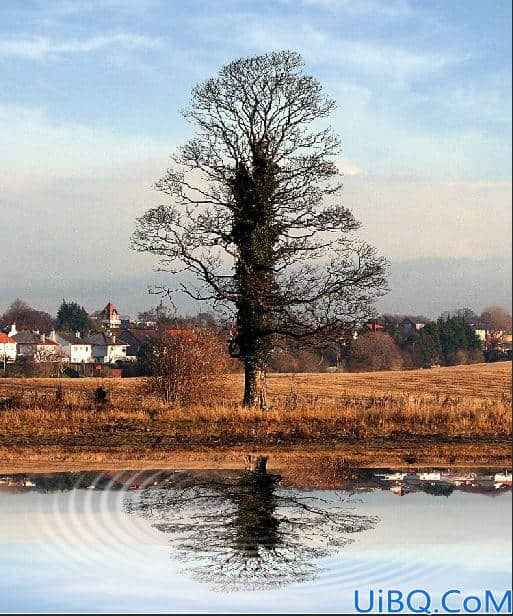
{"points": [[90, 109]]}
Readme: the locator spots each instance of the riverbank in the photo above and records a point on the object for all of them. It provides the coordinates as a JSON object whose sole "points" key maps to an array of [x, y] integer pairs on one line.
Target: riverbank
{"points": [[459, 415], [377, 454]]}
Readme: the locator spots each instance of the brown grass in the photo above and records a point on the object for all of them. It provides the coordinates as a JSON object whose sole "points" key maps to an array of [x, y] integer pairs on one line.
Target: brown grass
{"points": [[465, 402]]}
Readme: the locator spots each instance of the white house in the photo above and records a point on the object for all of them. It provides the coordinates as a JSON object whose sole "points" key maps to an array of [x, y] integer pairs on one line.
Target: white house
{"points": [[36, 346], [75, 348], [105, 348], [433, 476], [8, 349]]}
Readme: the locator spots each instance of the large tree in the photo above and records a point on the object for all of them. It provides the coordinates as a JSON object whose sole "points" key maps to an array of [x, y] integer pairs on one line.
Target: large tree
{"points": [[254, 216]]}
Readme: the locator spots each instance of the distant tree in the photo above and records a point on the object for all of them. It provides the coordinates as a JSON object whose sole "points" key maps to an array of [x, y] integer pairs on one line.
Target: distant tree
{"points": [[296, 360], [73, 318], [402, 336], [457, 340], [26, 317], [427, 348], [375, 351], [147, 360], [147, 316], [250, 221], [496, 318], [160, 315], [465, 313]]}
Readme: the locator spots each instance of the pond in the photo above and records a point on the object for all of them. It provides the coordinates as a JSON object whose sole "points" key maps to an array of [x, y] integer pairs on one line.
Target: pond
{"points": [[241, 541]]}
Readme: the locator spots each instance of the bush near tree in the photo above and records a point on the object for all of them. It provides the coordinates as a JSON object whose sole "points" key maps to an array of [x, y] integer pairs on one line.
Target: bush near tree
{"points": [[185, 366]]}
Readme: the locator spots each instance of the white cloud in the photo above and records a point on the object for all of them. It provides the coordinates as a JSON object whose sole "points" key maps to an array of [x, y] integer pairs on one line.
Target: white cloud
{"points": [[347, 167], [42, 47]]}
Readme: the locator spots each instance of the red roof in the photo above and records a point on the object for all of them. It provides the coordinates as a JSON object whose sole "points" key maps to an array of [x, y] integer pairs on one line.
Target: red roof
{"points": [[4, 338], [110, 309]]}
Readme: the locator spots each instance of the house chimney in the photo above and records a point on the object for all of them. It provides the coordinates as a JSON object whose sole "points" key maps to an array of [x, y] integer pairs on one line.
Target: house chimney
{"points": [[77, 334], [52, 336], [13, 331]]}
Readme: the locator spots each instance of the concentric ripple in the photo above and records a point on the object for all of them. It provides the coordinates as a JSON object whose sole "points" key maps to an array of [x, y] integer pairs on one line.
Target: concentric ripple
{"points": [[89, 527]]}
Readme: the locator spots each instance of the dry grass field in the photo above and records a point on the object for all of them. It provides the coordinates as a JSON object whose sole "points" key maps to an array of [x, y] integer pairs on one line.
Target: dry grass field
{"points": [[422, 412]]}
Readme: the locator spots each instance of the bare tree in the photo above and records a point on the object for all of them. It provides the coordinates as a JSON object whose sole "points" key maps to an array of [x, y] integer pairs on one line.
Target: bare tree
{"points": [[496, 319], [26, 317], [254, 217]]}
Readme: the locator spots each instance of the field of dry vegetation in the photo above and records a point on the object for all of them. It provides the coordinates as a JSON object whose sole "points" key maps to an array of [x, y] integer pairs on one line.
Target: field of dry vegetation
{"points": [[446, 411]]}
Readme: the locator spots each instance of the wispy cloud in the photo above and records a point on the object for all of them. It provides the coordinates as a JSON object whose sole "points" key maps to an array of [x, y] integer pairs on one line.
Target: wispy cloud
{"points": [[399, 9], [385, 59], [42, 47]]}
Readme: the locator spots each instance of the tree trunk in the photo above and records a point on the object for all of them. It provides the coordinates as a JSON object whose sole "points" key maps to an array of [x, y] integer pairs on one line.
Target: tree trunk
{"points": [[255, 387], [256, 464]]}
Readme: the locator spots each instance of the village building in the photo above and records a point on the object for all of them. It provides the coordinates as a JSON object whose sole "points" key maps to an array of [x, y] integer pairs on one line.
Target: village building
{"points": [[75, 348], [36, 346], [109, 317], [106, 349], [8, 349], [136, 337], [482, 335]]}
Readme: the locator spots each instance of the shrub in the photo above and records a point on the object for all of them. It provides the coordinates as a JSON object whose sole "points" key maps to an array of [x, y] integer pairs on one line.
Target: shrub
{"points": [[301, 360], [185, 366], [375, 351]]}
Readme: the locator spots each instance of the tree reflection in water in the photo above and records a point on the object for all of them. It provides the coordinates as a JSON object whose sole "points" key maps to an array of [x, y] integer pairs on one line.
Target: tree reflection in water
{"points": [[245, 531]]}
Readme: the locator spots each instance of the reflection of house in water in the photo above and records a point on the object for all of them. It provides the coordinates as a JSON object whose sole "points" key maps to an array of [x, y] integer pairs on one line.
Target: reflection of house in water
{"points": [[433, 481], [502, 480], [432, 476], [439, 482], [395, 476], [17, 482]]}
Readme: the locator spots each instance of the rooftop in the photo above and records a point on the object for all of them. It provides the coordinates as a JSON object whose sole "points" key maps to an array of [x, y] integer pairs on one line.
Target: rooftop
{"points": [[28, 337]]}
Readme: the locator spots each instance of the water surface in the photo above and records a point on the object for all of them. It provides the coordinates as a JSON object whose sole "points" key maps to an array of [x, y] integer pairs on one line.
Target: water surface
{"points": [[234, 541]]}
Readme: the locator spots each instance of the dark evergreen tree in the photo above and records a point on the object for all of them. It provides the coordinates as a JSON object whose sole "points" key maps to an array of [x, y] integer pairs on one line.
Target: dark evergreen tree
{"points": [[428, 343], [73, 318]]}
